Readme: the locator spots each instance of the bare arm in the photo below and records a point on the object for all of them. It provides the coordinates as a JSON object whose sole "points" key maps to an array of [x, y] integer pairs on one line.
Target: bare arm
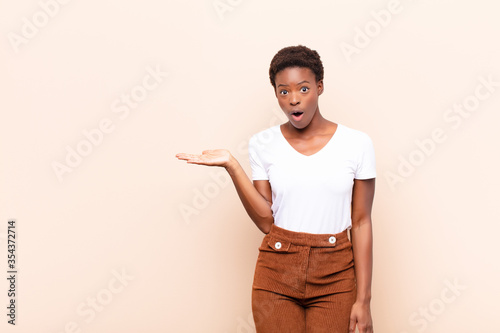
{"points": [[362, 240], [256, 199]]}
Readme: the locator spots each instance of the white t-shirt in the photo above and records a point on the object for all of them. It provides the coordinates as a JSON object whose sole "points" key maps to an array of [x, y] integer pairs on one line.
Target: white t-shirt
{"points": [[313, 193]]}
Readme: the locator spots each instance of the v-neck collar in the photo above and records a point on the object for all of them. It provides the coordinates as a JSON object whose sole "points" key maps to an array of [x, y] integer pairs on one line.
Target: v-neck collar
{"points": [[330, 141]]}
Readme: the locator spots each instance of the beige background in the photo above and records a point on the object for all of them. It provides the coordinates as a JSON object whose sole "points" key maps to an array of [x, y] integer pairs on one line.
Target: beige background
{"points": [[119, 212]]}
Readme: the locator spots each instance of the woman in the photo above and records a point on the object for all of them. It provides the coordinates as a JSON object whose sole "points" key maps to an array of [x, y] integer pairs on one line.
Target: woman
{"points": [[313, 182]]}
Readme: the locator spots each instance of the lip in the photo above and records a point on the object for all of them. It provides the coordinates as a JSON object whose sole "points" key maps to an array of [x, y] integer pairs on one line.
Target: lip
{"points": [[297, 118]]}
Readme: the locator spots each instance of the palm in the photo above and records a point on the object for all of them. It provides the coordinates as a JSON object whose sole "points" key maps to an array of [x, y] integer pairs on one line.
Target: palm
{"points": [[217, 157]]}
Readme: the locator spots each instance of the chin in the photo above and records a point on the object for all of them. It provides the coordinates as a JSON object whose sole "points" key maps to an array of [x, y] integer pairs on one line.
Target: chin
{"points": [[299, 126]]}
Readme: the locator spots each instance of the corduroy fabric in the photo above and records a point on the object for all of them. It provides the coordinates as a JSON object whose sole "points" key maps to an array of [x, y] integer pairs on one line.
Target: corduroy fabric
{"points": [[303, 282]]}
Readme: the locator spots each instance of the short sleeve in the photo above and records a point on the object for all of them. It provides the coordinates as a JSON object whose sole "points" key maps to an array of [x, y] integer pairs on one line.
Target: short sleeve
{"points": [[366, 163], [258, 170]]}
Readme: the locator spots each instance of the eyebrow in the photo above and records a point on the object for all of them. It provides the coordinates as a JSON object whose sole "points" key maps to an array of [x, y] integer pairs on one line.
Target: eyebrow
{"points": [[285, 85]]}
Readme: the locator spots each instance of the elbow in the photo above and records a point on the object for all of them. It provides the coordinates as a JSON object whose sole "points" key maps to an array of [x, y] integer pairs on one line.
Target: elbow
{"points": [[360, 221], [266, 229]]}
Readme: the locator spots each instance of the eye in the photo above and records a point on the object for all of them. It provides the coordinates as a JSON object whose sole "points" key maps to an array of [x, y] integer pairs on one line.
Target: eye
{"points": [[283, 92], [304, 89]]}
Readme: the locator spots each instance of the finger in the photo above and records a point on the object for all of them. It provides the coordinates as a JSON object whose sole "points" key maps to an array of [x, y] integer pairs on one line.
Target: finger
{"points": [[365, 328], [352, 325], [186, 156], [196, 162], [193, 159], [200, 161]]}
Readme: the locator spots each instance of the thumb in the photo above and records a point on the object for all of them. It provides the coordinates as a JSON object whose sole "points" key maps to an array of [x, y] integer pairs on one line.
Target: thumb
{"points": [[206, 151]]}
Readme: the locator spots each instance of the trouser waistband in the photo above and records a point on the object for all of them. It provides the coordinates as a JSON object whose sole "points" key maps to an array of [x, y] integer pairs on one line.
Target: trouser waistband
{"points": [[308, 239]]}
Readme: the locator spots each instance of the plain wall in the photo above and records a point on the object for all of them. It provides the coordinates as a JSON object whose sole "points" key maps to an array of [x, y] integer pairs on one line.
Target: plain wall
{"points": [[126, 238]]}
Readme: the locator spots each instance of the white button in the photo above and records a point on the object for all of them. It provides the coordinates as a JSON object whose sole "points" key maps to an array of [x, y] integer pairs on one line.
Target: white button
{"points": [[332, 239], [277, 245]]}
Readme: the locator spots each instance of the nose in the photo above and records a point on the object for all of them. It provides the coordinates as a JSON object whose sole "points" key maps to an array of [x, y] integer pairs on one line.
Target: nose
{"points": [[294, 99]]}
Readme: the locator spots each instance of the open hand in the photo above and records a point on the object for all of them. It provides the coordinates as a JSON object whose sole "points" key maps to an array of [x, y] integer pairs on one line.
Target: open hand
{"points": [[217, 157]]}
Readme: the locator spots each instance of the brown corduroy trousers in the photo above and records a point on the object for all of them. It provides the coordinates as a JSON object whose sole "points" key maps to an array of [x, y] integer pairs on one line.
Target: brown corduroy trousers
{"points": [[303, 282]]}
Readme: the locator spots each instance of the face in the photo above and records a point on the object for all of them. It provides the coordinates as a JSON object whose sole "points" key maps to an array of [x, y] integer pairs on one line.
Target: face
{"points": [[297, 92]]}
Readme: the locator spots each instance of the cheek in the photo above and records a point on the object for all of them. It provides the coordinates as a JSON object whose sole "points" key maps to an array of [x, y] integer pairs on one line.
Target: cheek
{"points": [[311, 101]]}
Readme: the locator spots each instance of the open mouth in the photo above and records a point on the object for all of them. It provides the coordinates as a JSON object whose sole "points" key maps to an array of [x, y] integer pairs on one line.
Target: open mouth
{"points": [[297, 115]]}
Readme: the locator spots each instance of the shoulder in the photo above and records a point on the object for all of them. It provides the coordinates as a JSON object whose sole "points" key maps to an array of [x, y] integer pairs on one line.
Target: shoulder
{"points": [[355, 136]]}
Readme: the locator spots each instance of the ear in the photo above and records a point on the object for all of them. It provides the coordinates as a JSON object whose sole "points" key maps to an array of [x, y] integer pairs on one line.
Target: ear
{"points": [[320, 87]]}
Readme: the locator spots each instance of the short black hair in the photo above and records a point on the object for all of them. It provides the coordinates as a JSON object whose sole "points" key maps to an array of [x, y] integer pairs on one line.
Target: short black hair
{"points": [[296, 56]]}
